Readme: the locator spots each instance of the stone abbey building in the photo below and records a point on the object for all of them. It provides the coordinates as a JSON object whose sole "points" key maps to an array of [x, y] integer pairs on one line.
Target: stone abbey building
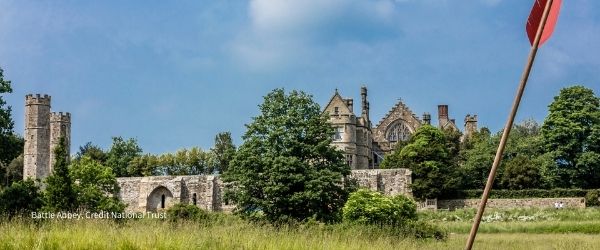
{"points": [[365, 145]]}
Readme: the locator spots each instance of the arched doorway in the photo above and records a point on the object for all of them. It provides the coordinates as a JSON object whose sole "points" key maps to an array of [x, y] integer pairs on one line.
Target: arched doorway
{"points": [[159, 199]]}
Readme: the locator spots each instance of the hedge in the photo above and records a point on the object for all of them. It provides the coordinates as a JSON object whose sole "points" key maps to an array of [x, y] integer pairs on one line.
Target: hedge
{"points": [[524, 193]]}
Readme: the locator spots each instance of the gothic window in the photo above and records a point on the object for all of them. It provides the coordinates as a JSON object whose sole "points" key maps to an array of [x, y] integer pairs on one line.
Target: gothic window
{"points": [[194, 198], [162, 201], [337, 136], [398, 132]]}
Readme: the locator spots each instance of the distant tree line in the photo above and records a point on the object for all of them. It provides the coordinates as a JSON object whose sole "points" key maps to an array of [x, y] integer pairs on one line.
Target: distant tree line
{"points": [[126, 158]]}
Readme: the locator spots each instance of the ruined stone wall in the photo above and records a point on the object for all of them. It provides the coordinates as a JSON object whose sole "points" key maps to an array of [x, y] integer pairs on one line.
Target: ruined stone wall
{"points": [[512, 203], [386, 181], [142, 194]]}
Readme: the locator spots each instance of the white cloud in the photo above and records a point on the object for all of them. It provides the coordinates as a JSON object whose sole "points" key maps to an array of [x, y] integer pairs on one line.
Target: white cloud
{"points": [[284, 31]]}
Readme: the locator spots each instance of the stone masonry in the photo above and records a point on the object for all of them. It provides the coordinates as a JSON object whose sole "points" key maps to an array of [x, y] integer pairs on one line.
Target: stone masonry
{"points": [[155, 193], [42, 132]]}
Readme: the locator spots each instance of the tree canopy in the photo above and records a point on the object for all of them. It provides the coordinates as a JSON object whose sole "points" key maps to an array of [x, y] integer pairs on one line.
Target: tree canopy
{"points": [[286, 167], [571, 134]]}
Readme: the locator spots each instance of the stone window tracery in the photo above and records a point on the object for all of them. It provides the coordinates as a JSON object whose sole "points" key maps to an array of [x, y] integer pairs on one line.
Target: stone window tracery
{"points": [[398, 132]]}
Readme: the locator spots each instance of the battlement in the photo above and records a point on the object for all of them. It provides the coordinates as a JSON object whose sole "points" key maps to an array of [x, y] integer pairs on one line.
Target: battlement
{"points": [[37, 99], [60, 117]]}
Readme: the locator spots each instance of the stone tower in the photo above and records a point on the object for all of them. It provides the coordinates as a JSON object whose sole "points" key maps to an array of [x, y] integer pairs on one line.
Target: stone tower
{"points": [[37, 137], [43, 130], [60, 126]]}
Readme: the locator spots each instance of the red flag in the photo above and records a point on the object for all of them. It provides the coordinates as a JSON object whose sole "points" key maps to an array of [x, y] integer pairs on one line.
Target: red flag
{"points": [[535, 19]]}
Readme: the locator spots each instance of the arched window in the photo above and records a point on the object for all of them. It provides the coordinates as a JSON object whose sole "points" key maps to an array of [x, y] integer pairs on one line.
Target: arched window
{"points": [[194, 198], [162, 201], [398, 132]]}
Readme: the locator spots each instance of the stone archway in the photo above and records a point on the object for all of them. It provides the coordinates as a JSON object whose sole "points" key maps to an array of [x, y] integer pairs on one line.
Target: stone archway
{"points": [[159, 199]]}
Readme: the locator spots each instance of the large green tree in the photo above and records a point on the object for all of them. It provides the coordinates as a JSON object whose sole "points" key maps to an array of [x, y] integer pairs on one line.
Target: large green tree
{"points": [[96, 186], [286, 167], [571, 134], [223, 150], [121, 153], [59, 194], [427, 155], [11, 145]]}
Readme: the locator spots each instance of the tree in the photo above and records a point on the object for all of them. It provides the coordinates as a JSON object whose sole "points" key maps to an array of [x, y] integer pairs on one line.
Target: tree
{"points": [[21, 197], [6, 122], [286, 167], [145, 165], [92, 151], [571, 134], [520, 172], [59, 194], [428, 157], [96, 186], [11, 145], [224, 150], [14, 170], [120, 155]]}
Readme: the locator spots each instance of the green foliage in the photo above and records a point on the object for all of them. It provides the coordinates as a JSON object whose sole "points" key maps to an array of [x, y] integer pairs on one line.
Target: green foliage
{"points": [[11, 145], [96, 186], [13, 171], [92, 151], [592, 198], [20, 198], [6, 122], [185, 162], [224, 150], [370, 207], [428, 157], [120, 154], [186, 212], [144, 165], [571, 133], [286, 166], [59, 194], [520, 173], [522, 164]]}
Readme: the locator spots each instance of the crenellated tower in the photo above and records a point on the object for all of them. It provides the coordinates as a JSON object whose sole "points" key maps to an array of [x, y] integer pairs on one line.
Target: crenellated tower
{"points": [[43, 130], [37, 137], [60, 126]]}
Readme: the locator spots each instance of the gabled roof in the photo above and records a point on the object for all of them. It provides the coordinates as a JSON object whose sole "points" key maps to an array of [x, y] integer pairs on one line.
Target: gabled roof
{"points": [[399, 107], [337, 99]]}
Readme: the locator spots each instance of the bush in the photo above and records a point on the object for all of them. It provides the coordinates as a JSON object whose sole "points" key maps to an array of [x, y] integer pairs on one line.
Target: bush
{"points": [[186, 212], [20, 198], [369, 207], [592, 198]]}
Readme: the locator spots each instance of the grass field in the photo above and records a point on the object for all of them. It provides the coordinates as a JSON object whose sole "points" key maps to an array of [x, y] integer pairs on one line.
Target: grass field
{"points": [[566, 229]]}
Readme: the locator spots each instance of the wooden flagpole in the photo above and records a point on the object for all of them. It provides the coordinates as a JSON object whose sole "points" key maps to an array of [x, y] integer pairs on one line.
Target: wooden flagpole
{"points": [[508, 127]]}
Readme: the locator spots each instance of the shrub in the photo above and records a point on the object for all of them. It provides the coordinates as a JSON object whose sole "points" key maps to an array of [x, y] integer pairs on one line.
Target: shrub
{"points": [[185, 212], [20, 198], [369, 207], [592, 198]]}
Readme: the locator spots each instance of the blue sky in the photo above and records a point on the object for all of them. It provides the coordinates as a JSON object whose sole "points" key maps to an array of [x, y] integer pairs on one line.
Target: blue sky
{"points": [[173, 76]]}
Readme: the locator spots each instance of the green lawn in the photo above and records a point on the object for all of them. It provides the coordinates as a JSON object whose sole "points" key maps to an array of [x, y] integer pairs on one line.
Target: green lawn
{"points": [[568, 229]]}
